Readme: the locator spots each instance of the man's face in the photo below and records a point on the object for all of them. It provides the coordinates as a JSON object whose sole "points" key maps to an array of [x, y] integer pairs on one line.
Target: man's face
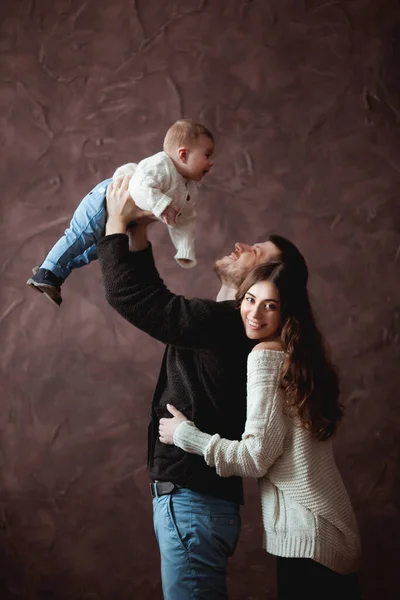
{"points": [[233, 269]]}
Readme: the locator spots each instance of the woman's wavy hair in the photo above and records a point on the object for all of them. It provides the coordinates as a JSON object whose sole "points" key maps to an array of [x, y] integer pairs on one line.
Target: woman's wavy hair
{"points": [[308, 377]]}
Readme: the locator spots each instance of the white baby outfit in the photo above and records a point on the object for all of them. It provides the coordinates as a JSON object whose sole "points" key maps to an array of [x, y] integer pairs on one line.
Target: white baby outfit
{"points": [[156, 184]]}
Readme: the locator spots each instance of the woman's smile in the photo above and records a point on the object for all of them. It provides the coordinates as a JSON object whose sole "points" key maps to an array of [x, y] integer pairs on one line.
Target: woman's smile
{"points": [[260, 311]]}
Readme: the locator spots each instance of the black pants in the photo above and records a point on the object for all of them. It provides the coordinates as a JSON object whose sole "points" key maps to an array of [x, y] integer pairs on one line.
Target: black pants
{"points": [[300, 578]]}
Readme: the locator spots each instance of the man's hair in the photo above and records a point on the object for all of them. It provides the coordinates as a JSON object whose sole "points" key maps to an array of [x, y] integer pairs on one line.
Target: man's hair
{"points": [[292, 256], [185, 132]]}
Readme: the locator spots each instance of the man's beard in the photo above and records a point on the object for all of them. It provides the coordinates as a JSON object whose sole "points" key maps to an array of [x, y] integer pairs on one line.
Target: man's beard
{"points": [[229, 272]]}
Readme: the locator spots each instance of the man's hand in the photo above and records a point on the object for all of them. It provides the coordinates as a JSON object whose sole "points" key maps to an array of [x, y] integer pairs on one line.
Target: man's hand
{"points": [[121, 209], [167, 427]]}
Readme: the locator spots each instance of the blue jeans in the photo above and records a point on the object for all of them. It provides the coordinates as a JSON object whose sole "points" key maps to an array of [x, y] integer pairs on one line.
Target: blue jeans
{"points": [[78, 246], [196, 535]]}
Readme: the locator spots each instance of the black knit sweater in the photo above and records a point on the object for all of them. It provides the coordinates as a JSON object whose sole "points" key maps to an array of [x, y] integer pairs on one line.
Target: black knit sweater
{"points": [[203, 372]]}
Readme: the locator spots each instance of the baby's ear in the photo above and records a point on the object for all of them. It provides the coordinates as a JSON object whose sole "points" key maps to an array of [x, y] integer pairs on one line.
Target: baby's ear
{"points": [[183, 154]]}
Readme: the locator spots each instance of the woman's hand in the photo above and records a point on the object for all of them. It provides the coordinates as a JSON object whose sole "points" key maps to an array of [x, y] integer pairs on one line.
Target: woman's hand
{"points": [[121, 209], [167, 427]]}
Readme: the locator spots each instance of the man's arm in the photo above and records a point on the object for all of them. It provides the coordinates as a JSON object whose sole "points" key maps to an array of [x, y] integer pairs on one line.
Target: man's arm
{"points": [[137, 236], [135, 290]]}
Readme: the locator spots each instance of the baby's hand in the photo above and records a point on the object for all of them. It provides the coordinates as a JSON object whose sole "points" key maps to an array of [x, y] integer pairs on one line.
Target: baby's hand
{"points": [[169, 215]]}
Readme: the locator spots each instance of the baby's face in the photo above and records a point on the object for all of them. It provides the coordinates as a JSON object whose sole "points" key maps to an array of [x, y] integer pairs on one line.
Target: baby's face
{"points": [[199, 158]]}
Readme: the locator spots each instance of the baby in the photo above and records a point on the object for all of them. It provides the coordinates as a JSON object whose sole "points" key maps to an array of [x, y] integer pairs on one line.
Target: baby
{"points": [[165, 184]]}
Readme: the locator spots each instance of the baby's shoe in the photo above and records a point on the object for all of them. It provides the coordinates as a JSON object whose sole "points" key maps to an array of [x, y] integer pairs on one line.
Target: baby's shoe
{"points": [[47, 283]]}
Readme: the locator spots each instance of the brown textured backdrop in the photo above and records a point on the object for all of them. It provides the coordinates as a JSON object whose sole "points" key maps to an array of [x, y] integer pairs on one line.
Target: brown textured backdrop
{"points": [[304, 98]]}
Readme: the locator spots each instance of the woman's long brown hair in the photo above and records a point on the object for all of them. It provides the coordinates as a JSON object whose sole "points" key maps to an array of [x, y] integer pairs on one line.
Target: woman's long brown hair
{"points": [[308, 377]]}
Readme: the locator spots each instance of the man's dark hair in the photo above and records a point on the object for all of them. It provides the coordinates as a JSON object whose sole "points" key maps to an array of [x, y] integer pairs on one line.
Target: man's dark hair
{"points": [[291, 256]]}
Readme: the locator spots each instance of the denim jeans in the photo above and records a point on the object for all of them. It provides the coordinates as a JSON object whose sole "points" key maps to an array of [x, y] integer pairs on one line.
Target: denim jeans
{"points": [[78, 246], [196, 535]]}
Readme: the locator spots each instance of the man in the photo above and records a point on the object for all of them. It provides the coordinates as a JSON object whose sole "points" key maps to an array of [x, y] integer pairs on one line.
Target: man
{"points": [[203, 374]]}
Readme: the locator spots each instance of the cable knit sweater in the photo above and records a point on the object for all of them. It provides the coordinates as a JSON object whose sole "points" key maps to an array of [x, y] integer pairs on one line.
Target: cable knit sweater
{"points": [[306, 509], [156, 184]]}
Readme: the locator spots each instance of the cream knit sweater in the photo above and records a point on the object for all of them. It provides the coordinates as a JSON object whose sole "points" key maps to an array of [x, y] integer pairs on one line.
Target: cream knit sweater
{"points": [[156, 184], [305, 507]]}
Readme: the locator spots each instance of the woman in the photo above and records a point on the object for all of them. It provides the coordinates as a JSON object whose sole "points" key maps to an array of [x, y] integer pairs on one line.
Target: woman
{"points": [[293, 411]]}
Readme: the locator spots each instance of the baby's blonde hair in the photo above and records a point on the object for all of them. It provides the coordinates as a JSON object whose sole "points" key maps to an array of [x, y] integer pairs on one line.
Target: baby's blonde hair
{"points": [[185, 132]]}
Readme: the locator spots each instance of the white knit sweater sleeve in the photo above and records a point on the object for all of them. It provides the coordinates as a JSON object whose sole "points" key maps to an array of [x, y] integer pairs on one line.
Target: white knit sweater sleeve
{"points": [[150, 182], [265, 429], [183, 238]]}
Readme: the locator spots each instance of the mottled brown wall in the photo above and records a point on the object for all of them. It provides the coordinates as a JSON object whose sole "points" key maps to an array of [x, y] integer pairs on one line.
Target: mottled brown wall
{"points": [[304, 98]]}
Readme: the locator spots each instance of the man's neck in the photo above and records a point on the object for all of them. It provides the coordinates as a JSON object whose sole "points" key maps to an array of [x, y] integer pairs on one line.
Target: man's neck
{"points": [[226, 293]]}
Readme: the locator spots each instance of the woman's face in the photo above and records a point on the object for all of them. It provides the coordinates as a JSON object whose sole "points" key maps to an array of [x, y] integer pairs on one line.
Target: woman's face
{"points": [[261, 313]]}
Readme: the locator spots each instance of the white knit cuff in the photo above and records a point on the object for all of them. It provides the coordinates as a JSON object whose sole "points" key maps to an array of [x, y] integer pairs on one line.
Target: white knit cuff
{"points": [[186, 254], [191, 439], [161, 205]]}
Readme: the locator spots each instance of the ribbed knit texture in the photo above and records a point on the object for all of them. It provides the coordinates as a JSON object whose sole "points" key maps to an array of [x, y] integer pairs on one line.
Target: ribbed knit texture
{"points": [[305, 506]]}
